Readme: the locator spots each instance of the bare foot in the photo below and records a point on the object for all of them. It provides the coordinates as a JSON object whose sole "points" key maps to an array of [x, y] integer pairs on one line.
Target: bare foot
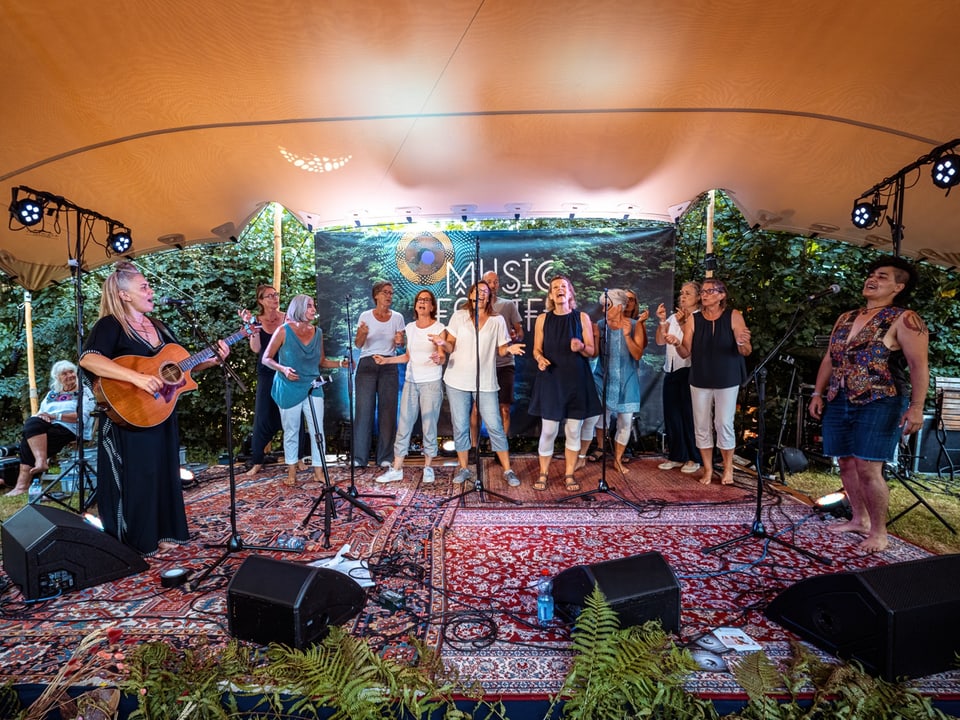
{"points": [[706, 477], [17, 491], [875, 543], [253, 471], [166, 546], [727, 478], [301, 466], [291, 478], [39, 469], [619, 466], [581, 463], [849, 526]]}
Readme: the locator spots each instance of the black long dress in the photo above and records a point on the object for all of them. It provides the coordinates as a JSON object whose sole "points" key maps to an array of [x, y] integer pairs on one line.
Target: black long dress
{"points": [[266, 414], [138, 469], [566, 388]]}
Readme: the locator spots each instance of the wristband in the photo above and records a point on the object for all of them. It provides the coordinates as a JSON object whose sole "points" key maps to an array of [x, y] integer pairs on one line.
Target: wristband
{"points": [[815, 394], [59, 416]]}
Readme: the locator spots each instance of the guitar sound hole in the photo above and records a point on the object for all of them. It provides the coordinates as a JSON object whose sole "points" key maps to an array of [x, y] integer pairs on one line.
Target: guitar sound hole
{"points": [[171, 374]]}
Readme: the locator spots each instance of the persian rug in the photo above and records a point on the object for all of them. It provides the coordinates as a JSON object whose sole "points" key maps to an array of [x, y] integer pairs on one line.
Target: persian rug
{"points": [[455, 565]]}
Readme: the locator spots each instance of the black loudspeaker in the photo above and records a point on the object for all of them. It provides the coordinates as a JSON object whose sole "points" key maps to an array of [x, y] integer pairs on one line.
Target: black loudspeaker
{"points": [[897, 621], [288, 603], [47, 552], [639, 588]]}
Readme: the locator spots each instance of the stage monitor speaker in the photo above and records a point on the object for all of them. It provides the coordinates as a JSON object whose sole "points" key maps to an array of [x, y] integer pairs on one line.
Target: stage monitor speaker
{"points": [[48, 551], [289, 603], [639, 588], [899, 620]]}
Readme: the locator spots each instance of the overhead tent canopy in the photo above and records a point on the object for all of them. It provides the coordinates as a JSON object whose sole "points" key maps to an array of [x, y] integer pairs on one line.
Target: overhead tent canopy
{"points": [[181, 119]]}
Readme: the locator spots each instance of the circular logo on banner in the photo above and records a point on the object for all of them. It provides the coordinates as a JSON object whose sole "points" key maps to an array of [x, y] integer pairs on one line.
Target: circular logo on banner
{"points": [[422, 257]]}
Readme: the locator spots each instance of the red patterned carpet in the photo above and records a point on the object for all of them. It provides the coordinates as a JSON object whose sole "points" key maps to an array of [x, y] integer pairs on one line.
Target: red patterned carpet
{"points": [[462, 572]]}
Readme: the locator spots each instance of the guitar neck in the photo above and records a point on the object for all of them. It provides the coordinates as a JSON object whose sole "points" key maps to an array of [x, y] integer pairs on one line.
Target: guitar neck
{"points": [[207, 354]]}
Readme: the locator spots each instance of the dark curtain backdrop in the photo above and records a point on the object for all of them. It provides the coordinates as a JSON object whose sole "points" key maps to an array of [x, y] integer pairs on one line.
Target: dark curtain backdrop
{"points": [[349, 262]]}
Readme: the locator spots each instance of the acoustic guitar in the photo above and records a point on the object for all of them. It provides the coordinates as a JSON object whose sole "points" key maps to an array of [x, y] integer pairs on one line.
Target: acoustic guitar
{"points": [[128, 405]]}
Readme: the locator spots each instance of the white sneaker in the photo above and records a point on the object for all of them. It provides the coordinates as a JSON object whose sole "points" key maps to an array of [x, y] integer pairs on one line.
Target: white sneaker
{"points": [[690, 467], [391, 475], [669, 465], [428, 475], [462, 476]]}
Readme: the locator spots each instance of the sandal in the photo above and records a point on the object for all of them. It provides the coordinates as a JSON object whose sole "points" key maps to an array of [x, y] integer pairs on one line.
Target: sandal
{"points": [[541, 483], [571, 482], [595, 456]]}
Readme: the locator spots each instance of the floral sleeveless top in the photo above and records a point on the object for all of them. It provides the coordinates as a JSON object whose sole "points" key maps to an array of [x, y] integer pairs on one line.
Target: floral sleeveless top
{"points": [[863, 365]]}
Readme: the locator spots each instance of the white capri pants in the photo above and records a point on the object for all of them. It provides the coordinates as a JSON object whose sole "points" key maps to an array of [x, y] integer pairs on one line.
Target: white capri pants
{"points": [[714, 409]]}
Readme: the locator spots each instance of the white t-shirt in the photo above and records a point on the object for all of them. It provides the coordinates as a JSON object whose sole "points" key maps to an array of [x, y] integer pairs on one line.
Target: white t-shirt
{"points": [[420, 367], [672, 360], [380, 334], [461, 371]]}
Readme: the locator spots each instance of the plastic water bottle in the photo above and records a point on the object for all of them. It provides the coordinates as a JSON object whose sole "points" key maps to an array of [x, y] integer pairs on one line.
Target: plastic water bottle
{"points": [[544, 598], [290, 542], [35, 491]]}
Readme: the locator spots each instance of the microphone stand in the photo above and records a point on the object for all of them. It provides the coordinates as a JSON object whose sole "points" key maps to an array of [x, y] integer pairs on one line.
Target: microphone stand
{"points": [[234, 543], [757, 529], [352, 490], [329, 490], [478, 475], [604, 357]]}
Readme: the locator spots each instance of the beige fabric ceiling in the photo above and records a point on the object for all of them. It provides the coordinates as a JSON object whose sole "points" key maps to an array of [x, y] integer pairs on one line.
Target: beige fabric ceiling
{"points": [[182, 118]]}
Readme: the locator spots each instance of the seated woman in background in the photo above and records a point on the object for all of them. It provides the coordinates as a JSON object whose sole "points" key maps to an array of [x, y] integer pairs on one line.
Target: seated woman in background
{"points": [[55, 426]]}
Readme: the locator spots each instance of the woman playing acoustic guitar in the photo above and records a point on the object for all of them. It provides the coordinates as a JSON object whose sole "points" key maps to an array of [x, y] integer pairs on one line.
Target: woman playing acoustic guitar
{"points": [[138, 468]]}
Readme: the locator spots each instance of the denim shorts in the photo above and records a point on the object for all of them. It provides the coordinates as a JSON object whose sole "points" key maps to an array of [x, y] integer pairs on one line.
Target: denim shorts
{"points": [[868, 432]]}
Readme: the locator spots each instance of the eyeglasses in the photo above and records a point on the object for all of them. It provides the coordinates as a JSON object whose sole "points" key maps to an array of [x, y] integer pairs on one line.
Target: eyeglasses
{"points": [[271, 296], [710, 291]]}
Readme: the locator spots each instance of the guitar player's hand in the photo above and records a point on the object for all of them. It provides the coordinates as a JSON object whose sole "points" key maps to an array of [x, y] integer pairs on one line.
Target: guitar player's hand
{"points": [[148, 383]]}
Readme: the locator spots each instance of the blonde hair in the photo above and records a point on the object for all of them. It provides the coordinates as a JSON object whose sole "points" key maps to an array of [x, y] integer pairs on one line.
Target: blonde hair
{"points": [[122, 278], [549, 305]]}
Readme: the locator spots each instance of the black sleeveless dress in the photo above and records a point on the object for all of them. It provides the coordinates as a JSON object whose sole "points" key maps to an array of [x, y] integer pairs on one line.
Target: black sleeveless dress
{"points": [[566, 388]]}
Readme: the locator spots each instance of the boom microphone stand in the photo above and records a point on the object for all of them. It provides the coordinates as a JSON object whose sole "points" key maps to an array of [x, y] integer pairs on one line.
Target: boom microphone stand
{"points": [[477, 486], [604, 356], [330, 490], [234, 543], [757, 530], [352, 490]]}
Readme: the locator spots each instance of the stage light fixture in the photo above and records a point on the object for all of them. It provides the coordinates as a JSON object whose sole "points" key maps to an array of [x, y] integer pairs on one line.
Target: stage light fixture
{"points": [[944, 171], [119, 241], [27, 211], [866, 214], [835, 504]]}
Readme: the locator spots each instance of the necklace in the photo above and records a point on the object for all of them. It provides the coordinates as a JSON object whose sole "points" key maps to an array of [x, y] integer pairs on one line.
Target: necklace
{"points": [[141, 325], [874, 309]]}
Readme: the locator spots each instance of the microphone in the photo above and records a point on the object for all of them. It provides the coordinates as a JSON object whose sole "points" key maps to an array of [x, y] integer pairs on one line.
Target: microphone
{"points": [[832, 290], [176, 301]]}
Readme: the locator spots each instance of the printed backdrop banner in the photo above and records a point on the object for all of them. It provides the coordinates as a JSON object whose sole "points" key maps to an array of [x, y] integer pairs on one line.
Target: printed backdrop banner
{"points": [[448, 262]]}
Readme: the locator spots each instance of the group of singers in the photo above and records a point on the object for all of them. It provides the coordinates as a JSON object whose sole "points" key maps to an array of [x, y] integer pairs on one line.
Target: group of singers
{"points": [[862, 392]]}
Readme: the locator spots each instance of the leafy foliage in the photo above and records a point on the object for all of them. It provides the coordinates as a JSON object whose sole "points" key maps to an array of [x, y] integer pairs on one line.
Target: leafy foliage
{"points": [[767, 273], [632, 672]]}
